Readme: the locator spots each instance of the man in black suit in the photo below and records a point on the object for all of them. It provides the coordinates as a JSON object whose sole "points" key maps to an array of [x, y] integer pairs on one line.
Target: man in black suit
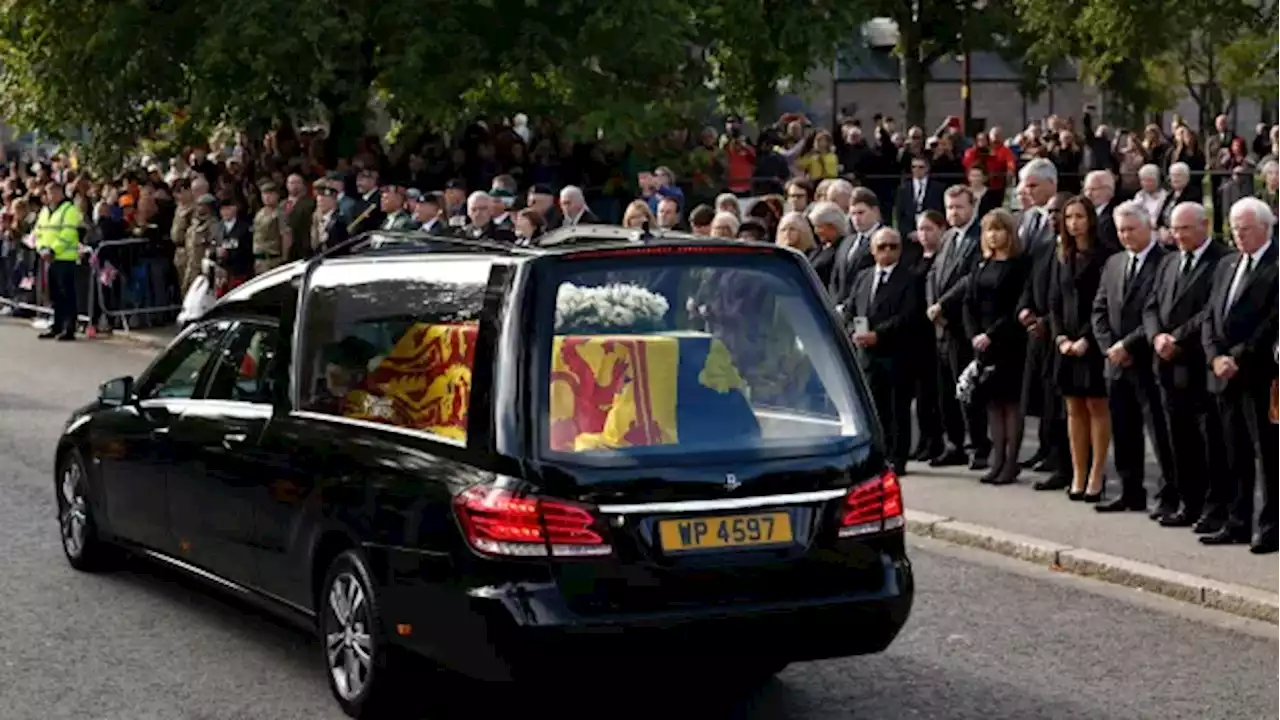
{"points": [[886, 296], [235, 245], [1239, 335], [1100, 188], [916, 194], [961, 251], [1038, 228], [1133, 396], [480, 212], [1173, 321], [366, 212], [573, 207], [853, 255], [541, 198], [328, 229]]}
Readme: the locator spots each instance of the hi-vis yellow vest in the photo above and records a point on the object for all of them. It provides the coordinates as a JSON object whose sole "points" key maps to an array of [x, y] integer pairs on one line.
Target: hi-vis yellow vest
{"points": [[60, 231]]}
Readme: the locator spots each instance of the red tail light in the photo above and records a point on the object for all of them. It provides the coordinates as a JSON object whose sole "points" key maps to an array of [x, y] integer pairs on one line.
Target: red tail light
{"points": [[499, 522], [873, 506]]}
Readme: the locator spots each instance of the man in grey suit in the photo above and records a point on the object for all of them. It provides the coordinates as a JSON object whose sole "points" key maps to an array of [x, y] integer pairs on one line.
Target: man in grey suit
{"points": [[1038, 184]]}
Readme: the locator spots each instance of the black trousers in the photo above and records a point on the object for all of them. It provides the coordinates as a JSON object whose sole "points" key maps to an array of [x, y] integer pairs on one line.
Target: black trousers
{"points": [[958, 354], [891, 392], [1040, 396], [928, 404], [1192, 418], [62, 292], [1248, 433], [1134, 401]]}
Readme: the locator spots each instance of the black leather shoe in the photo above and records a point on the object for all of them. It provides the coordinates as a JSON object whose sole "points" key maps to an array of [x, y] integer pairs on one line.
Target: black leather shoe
{"points": [[1207, 526], [47, 335], [1036, 458], [1180, 519], [1122, 504], [1225, 536], [950, 458], [1264, 546], [66, 337], [1056, 482], [1046, 466]]}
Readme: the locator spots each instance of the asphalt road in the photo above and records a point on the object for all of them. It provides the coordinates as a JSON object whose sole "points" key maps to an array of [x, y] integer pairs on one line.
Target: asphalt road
{"points": [[990, 638]]}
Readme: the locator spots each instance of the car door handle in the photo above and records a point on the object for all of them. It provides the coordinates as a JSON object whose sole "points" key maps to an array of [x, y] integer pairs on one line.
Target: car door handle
{"points": [[160, 431], [232, 439]]}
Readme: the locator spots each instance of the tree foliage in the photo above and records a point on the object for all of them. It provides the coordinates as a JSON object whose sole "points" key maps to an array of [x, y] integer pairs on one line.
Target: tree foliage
{"points": [[1145, 49], [122, 68]]}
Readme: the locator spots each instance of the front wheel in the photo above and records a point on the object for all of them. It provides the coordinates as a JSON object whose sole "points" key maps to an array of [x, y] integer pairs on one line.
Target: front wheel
{"points": [[355, 653], [84, 550]]}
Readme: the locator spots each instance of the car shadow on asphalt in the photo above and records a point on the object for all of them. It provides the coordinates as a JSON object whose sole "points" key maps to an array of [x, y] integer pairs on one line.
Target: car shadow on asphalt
{"points": [[453, 697]]}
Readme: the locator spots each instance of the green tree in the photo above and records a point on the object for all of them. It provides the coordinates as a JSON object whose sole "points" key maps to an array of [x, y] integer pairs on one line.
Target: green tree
{"points": [[122, 69]]}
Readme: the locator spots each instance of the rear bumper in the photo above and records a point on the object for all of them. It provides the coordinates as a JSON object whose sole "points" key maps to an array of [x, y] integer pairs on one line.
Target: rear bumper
{"points": [[513, 631]]}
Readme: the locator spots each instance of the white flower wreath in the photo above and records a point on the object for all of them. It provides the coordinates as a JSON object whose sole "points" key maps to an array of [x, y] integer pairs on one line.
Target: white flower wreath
{"points": [[616, 305]]}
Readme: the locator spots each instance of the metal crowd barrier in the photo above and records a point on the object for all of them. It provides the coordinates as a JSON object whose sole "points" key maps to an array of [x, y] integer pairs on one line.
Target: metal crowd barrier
{"points": [[119, 285]]}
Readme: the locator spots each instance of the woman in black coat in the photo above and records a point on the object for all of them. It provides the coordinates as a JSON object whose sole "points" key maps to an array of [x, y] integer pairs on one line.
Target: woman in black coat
{"points": [[1076, 276], [999, 342]]}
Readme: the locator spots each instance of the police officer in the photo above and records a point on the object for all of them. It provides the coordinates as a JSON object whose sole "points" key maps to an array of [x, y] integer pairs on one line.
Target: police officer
{"points": [[268, 235], [59, 232]]}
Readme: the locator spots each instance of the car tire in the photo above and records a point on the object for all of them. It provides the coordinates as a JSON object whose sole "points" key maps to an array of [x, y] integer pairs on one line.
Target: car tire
{"points": [[81, 544], [352, 644]]}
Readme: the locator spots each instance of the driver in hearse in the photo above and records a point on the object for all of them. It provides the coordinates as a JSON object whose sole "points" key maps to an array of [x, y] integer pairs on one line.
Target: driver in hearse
{"points": [[345, 366]]}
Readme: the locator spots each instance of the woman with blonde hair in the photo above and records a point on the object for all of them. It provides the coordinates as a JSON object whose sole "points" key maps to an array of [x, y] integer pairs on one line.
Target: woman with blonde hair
{"points": [[999, 342], [637, 214], [795, 232]]}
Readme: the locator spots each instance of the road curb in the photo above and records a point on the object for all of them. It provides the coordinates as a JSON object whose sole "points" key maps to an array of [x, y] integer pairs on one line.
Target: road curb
{"points": [[1241, 600]]}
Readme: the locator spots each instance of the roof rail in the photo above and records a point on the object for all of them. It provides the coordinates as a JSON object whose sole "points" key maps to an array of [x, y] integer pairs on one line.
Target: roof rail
{"points": [[374, 241]]}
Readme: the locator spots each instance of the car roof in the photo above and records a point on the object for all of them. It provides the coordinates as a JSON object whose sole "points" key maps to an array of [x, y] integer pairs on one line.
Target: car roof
{"points": [[267, 294]]}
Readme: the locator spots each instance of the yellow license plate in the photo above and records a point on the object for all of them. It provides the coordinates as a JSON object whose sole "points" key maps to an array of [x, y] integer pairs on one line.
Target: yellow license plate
{"points": [[730, 531]]}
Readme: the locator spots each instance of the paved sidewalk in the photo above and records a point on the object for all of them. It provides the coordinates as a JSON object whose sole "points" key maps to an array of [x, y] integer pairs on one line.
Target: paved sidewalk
{"points": [[1050, 516]]}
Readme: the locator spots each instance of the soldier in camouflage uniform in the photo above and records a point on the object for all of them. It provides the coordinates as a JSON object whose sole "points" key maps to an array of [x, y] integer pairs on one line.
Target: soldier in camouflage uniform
{"points": [[268, 231], [200, 238], [182, 216]]}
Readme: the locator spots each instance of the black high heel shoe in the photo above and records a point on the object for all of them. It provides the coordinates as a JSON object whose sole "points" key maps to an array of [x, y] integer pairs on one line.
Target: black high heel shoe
{"points": [[1074, 496], [1095, 498]]}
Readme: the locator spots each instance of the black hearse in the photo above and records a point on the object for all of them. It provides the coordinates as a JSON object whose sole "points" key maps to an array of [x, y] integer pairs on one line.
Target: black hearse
{"points": [[613, 447]]}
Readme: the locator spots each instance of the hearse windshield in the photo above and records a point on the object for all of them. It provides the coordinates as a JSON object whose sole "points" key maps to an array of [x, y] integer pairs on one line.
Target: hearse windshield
{"points": [[690, 353]]}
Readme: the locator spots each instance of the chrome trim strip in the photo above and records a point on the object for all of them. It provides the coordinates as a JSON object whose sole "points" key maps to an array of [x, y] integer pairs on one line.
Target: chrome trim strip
{"points": [[421, 434], [198, 572], [724, 504], [223, 582]]}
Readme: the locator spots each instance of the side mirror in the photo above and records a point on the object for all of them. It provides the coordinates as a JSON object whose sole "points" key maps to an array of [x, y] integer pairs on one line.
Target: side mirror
{"points": [[114, 393]]}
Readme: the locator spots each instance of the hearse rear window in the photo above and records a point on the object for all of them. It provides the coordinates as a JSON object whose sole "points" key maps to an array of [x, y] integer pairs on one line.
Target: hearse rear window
{"points": [[692, 353], [393, 342]]}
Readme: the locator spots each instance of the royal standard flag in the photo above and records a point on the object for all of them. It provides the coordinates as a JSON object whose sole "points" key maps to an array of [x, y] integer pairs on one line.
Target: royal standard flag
{"points": [[424, 383], [618, 391]]}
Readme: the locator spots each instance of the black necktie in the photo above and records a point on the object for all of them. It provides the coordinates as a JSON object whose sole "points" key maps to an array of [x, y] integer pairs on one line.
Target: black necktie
{"points": [[1188, 261], [880, 278], [1131, 272]]}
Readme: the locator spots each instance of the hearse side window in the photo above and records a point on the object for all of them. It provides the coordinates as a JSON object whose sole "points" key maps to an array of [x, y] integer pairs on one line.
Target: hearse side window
{"points": [[393, 342], [243, 372], [176, 375]]}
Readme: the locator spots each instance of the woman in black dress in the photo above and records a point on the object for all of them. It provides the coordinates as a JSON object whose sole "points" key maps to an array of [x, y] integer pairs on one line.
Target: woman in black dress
{"points": [[999, 342], [1074, 283]]}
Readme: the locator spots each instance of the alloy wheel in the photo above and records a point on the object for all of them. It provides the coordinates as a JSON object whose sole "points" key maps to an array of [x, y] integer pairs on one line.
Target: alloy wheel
{"points": [[348, 639], [75, 510]]}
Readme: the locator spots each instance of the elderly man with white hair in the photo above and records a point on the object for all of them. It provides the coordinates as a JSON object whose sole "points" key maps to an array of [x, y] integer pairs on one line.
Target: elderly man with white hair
{"points": [[573, 206], [1038, 182], [1133, 396], [1240, 342], [1100, 188], [1172, 320], [480, 214]]}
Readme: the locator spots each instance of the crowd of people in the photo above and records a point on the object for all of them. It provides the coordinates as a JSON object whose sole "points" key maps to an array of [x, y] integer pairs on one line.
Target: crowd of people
{"points": [[1111, 301]]}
